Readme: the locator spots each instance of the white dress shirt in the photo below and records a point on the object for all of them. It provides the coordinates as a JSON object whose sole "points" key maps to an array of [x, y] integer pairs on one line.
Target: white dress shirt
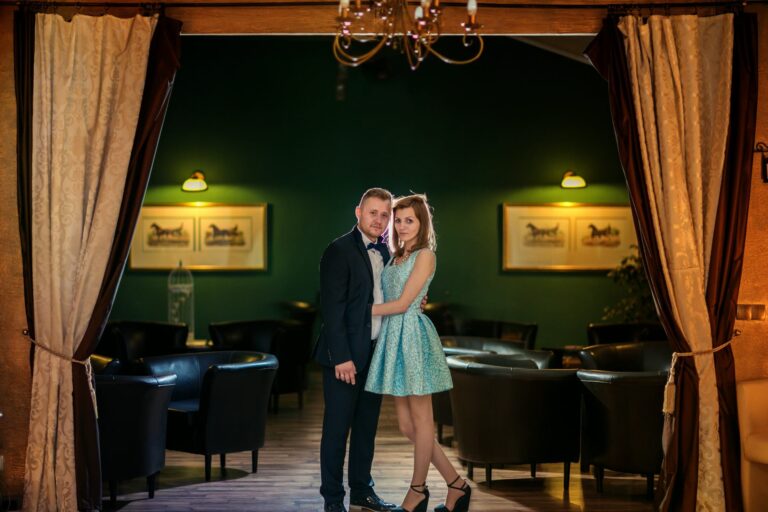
{"points": [[377, 264]]}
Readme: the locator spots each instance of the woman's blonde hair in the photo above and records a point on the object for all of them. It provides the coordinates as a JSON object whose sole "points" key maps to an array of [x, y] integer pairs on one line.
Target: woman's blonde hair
{"points": [[425, 239]]}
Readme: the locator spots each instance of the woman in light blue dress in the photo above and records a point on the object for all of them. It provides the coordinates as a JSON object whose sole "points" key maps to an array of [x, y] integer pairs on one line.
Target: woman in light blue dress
{"points": [[408, 362]]}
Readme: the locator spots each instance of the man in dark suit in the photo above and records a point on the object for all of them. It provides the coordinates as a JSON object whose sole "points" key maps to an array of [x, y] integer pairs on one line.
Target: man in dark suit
{"points": [[350, 283]]}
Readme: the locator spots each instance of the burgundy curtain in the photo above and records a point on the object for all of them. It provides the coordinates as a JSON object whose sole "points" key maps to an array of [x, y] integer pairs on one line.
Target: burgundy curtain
{"points": [[679, 478], [24, 70], [165, 52], [728, 243]]}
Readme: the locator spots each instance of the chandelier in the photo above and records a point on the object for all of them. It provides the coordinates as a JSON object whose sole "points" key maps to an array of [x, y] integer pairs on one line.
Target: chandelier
{"points": [[389, 23]]}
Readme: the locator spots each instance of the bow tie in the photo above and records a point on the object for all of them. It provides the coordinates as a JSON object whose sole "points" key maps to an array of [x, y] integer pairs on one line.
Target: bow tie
{"points": [[382, 248]]}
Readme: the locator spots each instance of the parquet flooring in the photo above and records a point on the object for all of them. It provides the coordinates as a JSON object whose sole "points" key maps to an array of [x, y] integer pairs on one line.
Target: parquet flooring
{"points": [[289, 475]]}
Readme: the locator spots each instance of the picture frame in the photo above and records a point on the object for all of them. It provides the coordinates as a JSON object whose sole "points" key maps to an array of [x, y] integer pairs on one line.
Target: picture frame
{"points": [[202, 236], [565, 236]]}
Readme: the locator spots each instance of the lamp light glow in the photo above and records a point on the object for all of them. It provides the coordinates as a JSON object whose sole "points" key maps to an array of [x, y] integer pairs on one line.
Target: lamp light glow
{"points": [[572, 180], [195, 183]]}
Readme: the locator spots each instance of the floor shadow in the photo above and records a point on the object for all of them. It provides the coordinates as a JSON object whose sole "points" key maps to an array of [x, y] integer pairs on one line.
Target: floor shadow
{"points": [[169, 478]]}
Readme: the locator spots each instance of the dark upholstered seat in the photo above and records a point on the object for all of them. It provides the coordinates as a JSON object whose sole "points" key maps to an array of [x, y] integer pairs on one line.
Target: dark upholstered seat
{"points": [[623, 333], [288, 340], [622, 422], [507, 411], [129, 341], [642, 356], [132, 427], [220, 402], [507, 331]]}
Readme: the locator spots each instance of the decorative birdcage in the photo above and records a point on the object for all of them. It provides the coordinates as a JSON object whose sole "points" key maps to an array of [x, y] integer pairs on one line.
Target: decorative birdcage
{"points": [[181, 298]]}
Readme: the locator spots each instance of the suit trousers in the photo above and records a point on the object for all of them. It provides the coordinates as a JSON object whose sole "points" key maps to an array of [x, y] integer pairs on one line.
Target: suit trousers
{"points": [[347, 408]]}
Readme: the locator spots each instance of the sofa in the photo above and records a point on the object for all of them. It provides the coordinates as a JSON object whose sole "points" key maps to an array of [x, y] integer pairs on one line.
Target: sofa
{"points": [[752, 399]]}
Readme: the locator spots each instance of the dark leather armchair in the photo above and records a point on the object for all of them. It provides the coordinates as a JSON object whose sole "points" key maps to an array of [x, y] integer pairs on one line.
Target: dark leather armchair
{"points": [[507, 331], [288, 340], [623, 422], [132, 426], [468, 345], [623, 333], [129, 341], [507, 411], [641, 356], [441, 402], [220, 402]]}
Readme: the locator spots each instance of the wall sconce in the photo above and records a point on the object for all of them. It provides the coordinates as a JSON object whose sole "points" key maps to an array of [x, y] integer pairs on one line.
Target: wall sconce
{"points": [[762, 148], [750, 311], [195, 183], [572, 180]]}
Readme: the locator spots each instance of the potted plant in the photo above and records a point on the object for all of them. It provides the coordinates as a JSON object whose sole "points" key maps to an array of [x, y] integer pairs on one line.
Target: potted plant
{"points": [[637, 306]]}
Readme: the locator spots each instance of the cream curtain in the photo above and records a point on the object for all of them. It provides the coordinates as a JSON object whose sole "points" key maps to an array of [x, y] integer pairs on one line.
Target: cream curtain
{"points": [[680, 71], [88, 83]]}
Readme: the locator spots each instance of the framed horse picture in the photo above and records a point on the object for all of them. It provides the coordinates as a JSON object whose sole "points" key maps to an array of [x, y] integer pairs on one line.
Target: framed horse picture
{"points": [[202, 236], [565, 236]]}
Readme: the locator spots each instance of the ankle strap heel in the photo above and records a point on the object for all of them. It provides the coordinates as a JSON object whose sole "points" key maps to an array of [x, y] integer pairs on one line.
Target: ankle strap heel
{"points": [[462, 504]]}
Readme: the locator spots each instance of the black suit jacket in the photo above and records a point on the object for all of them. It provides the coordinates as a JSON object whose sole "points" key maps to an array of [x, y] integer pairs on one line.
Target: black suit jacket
{"points": [[346, 298]]}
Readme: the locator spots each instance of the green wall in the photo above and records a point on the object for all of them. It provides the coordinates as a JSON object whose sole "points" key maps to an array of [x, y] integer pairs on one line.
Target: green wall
{"points": [[260, 116]]}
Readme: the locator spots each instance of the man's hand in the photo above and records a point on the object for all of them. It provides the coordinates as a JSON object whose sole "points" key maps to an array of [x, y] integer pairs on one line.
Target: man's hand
{"points": [[424, 302], [346, 371]]}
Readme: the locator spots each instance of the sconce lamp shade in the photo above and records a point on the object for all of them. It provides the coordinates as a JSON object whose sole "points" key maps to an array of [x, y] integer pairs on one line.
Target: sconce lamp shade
{"points": [[195, 183], [572, 180], [750, 312]]}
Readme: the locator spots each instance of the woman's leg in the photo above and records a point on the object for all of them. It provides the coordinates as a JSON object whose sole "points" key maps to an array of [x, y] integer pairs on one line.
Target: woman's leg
{"points": [[420, 412], [404, 422]]}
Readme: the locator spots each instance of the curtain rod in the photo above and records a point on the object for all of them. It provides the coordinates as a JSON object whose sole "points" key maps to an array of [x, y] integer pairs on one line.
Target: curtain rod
{"points": [[208, 4]]}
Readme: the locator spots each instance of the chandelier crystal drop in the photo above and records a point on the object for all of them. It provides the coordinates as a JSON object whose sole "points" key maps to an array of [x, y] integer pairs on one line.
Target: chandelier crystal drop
{"points": [[382, 23]]}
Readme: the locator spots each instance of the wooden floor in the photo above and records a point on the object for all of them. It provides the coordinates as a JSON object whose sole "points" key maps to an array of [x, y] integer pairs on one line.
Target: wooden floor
{"points": [[289, 475]]}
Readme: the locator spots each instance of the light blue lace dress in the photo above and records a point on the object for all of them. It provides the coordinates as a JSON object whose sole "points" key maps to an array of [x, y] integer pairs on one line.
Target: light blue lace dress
{"points": [[409, 358]]}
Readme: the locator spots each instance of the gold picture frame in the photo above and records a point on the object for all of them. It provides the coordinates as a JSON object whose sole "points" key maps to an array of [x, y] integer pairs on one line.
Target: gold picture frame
{"points": [[565, 236], [202, 236]]}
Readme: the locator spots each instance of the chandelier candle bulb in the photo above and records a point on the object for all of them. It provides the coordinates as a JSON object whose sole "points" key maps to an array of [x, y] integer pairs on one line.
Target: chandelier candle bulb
{"points": [[425, 5], [343, 4], [472, 7], [418, 12]]}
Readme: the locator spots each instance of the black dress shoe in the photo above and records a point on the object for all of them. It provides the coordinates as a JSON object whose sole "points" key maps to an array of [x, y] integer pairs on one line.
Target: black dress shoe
{"points": [[369, 503], [334, 507]]}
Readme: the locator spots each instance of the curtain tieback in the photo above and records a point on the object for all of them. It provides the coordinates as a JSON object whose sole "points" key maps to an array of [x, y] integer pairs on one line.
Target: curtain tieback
{"points": [[86, 363], [670, 388]]}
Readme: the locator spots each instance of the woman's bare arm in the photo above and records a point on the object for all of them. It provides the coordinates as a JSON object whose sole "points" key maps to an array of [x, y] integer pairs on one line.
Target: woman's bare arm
{"points": [[422, 269]]}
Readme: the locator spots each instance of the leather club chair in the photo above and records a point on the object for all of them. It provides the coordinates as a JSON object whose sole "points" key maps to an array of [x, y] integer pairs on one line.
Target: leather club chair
{"points": [[598, 334], [130, 341], [441, 402], [622, 422], [525, 334], [752, 398], [288, 340], [220, 402], [641, 356], [132, 425], [507, 411]]}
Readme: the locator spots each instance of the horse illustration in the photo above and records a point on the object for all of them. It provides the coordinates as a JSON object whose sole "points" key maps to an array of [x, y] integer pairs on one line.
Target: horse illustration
{"points": [[543, 232], [600, 233], [223, 233], [166, 232]]}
